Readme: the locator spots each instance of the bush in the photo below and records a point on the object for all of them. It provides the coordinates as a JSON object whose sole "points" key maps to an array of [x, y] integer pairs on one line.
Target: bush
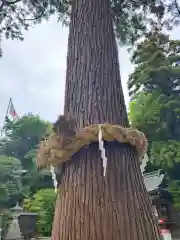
{"points": [[174, 188], [43, 203], [6, 218]]}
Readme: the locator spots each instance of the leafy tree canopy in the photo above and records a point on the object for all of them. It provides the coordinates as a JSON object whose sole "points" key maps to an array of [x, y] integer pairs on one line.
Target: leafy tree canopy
{"points": [[152, 114], [20, 141], [155, 100], [130, 16], [155, 103], [157, 61], [174, 188], [11, 189], [23, 135], [43, 203], [165, 154], [156, 115]]}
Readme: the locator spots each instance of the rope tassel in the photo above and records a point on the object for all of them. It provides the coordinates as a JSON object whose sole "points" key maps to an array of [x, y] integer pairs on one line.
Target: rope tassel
{"points": [[102, 149]]}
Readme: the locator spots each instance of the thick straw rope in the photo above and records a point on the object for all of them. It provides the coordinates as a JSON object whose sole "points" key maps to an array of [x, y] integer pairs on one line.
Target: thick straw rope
{"points": [[59, 147]]}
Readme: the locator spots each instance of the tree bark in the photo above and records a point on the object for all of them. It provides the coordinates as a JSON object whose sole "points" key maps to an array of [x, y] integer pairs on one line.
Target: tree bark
{"points": [[89, 206]]}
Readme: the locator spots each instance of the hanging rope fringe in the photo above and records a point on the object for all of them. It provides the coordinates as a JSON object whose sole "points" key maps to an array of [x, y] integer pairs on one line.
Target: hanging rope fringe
{"points": [[102, 149], [60, 146], [54, 178]]}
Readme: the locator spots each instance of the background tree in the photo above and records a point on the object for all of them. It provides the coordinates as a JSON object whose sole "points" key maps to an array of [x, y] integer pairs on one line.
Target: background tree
{"points": [[155, 106], [11, 189], [144, 114], [43, 203], [23, 135], [156, 80], [19, 182], [20, 141], [157, 65]]}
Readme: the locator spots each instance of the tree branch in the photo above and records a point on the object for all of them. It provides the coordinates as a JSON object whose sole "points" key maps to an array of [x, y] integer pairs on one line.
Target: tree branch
{"points": [[9, 3], [177, 7], [4, 2], [1, 6], [22, 20]]}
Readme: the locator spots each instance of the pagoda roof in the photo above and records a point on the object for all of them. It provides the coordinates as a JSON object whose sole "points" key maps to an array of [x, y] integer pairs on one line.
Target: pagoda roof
{"points": [[153, 180], [17, 208]]}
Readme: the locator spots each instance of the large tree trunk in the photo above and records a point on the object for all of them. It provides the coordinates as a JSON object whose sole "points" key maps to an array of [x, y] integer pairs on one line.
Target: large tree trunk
{"points": [[89, 206]]}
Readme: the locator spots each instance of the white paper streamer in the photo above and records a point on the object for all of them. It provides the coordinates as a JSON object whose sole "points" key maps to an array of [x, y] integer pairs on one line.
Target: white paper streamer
{"points": [[102, 149], [144, 162], [54, 178]]}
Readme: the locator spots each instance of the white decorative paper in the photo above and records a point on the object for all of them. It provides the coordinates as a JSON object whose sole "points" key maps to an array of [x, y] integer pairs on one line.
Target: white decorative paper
{"points": [[102, 149], [144, 163], [54, 178]]}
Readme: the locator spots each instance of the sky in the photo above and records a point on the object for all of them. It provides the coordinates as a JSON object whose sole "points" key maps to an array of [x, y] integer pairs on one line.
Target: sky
{"points": [[32, 72]]}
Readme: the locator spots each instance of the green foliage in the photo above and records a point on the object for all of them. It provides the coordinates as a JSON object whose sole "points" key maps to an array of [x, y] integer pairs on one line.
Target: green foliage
{"points": [[174, 188], [11, 189], [155, 104], [165, 154], [130, 17], [20, 141], [156, 114], [43, 203], [144, 112], [6, 219], [24, 135], [157, 62]]}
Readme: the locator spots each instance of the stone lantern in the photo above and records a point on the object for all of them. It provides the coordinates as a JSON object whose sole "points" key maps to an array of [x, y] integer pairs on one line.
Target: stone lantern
{"points": [[14, 231], [23, 224]]}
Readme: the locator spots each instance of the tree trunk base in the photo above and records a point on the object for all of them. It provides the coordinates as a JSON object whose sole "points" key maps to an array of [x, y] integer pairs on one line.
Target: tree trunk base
{"points": [[93, 207]]}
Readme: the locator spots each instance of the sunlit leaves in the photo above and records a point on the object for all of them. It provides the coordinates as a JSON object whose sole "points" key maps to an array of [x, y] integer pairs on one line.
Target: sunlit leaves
{"points": [[165, 154], [174, 188], [43, 203]]}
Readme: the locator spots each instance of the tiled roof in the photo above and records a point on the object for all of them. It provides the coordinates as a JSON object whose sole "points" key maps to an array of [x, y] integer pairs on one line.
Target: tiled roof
{"points": [[153, 180]]}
